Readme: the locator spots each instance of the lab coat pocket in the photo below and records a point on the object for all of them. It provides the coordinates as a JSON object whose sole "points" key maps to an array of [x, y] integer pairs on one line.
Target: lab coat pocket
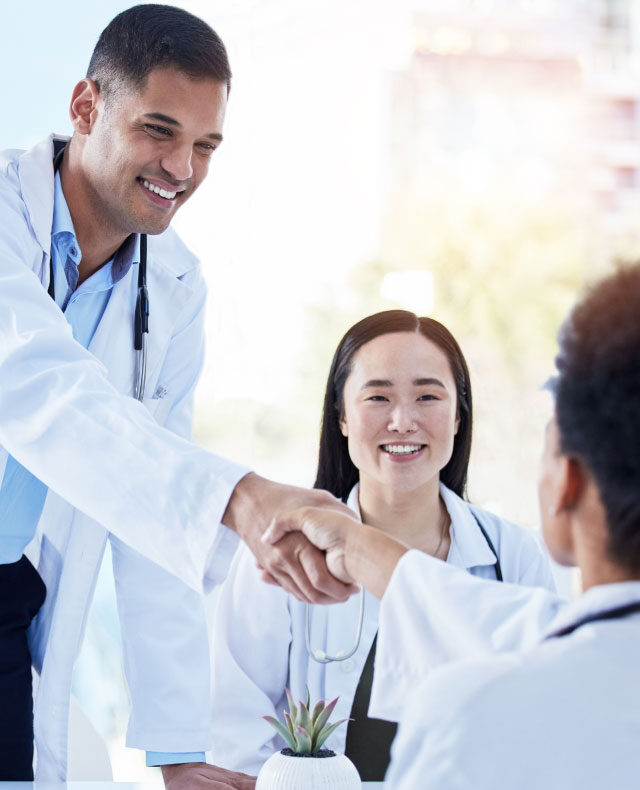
{"points": [[158, 404]]}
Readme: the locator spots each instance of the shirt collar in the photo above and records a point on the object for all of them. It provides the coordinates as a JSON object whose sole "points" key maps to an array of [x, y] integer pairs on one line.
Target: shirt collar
{"points": [[125, 257], [62, 222]]}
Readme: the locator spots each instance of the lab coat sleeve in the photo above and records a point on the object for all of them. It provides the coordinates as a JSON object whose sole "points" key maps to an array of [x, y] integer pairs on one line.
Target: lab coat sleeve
{"points": [[96, 448], [450, 739], [432, 613], [163, 624], [251, 639]]}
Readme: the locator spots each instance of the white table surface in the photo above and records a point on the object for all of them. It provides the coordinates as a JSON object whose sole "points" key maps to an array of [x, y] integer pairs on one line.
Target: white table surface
{"points": [[115, 785]]}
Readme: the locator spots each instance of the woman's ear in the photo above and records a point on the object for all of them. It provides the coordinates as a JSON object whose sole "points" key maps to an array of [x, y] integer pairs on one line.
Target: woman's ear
{"points": [[343, 427]]}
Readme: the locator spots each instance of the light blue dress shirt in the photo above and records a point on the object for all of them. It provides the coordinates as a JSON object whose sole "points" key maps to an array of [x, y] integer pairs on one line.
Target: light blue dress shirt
{"points": [[22, 495]]}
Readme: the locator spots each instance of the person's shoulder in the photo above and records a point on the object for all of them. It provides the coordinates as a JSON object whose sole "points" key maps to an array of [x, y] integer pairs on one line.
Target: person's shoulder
{"points": [[169, 251]]}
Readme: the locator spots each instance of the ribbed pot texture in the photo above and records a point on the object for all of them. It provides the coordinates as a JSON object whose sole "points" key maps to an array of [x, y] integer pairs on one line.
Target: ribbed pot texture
{"points": [[282, 772]]}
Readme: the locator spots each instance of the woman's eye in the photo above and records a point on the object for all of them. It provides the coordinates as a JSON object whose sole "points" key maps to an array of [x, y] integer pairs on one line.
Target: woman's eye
{"points": [[378, 398], [428, 397]]}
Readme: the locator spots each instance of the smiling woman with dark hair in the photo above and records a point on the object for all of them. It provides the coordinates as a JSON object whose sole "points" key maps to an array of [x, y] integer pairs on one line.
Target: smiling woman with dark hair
{"points": [[561, 709], [394, 445]]}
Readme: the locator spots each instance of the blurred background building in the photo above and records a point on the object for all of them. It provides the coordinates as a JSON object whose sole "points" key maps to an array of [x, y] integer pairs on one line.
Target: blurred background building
{"points": [[475, 160]]}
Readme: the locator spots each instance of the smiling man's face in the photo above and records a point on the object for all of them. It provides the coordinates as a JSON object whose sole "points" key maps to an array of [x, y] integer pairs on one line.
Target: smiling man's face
{"points": [[149, 149]]}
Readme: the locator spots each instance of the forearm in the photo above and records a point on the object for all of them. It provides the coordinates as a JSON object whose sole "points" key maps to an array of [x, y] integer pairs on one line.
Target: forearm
{"points": [[371, 557]]}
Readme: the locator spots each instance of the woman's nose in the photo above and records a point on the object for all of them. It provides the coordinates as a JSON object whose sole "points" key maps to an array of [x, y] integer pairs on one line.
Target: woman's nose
{"points": [[402, 419]]}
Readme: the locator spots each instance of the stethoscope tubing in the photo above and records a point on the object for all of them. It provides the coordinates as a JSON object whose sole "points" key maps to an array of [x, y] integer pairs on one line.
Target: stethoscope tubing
{"points": [[141, 316], [323, 658]]}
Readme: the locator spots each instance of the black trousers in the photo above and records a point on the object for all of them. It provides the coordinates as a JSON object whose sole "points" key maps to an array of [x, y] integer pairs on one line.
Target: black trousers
{"points": [[22, 593]]}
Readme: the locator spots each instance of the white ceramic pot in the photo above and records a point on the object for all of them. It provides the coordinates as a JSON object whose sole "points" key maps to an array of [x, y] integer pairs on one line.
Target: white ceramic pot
{"points": [[289, 772]]}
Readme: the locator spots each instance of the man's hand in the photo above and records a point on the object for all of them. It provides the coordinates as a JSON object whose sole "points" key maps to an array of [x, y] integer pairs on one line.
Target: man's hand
{"points": [[295, 564], [201, 776], [354, 551], [328, 530]]}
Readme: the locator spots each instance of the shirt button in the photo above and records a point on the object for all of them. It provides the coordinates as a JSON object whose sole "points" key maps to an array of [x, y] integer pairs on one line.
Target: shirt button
{"points": [[348, 666]]}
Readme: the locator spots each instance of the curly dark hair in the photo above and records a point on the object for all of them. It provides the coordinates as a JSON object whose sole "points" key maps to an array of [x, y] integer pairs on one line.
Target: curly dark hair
{"points": [[597, 402], [336, 471]]}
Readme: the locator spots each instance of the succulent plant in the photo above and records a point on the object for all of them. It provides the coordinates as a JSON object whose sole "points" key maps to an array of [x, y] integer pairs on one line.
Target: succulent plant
{"points": [[305, 730]]}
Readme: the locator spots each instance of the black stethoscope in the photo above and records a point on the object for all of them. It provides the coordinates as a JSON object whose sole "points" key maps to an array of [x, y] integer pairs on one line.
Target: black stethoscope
{"points": [[141, 316], [324, 658]]}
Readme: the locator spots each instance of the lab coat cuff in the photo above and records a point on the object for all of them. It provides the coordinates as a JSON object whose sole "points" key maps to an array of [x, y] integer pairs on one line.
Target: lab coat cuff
{"points": [[221, 550], [173, 758], [395, 678]]}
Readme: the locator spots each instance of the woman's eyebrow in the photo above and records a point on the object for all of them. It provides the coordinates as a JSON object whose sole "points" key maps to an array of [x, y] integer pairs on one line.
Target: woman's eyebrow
{"points": [[376, 383], [428, 382], [421, 382]]}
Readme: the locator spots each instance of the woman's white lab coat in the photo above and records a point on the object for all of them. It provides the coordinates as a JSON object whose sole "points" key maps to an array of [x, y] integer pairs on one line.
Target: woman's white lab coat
{"points": [[556, 713], [67, 415], [259, 636]]}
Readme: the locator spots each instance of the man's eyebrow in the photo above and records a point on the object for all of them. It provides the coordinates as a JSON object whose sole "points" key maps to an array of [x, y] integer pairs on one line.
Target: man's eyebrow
{"points": [[158, 116]]}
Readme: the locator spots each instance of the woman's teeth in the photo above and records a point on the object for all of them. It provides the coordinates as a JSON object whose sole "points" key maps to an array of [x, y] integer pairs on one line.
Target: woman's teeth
{"points": [[402, 449], [158, 190]]}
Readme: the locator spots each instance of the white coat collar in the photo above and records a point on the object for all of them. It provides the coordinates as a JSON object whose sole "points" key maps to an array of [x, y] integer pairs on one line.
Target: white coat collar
{"points": [[469, 549], [594, 600], [35, 171]]}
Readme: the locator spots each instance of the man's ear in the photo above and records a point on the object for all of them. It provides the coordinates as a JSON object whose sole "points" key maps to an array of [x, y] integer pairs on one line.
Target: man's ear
{"points": [[82, 109]]}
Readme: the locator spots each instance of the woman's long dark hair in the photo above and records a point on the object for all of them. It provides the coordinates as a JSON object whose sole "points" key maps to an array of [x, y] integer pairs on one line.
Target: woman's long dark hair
{"points": [[336, 471]]}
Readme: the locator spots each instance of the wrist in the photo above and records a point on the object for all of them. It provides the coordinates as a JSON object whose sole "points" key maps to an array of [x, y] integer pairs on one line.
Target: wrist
{"points": [[371, 557], [238, 512]]}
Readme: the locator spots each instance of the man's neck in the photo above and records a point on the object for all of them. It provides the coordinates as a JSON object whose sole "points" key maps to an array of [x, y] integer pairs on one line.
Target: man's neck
{"points": [[97, 242]]}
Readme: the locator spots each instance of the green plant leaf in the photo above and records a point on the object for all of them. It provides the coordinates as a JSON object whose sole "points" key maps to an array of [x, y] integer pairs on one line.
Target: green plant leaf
{"points": [[308, 697], [292, 707], [323, 717], [326, 733], [304, 719], [287, 718], [304, 741], [317, 710], [287, 736]]}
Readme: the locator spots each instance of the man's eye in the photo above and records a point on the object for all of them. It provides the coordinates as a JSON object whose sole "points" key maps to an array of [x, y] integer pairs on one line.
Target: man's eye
{"points": [[161, 131]]}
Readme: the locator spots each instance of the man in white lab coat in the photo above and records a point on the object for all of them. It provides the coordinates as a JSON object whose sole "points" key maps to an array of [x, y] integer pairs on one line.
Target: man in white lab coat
{"points": [[80, 457], [560, 708]]}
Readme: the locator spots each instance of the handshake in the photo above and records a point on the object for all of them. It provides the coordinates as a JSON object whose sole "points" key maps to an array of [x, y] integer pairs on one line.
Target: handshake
{"points": [[309, 543]]}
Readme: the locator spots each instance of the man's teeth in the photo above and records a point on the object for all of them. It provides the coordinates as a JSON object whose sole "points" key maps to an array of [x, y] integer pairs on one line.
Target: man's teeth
{"points": [[401, 449], [158, 190]]}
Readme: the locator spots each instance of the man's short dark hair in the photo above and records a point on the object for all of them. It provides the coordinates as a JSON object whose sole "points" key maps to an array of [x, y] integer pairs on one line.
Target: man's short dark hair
{"points": [[152, 36], [598, 402]]}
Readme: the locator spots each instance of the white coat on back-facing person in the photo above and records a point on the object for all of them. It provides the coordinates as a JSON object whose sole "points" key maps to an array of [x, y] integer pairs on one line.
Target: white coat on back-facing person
{"points": [[560, 709], [395, 445]]}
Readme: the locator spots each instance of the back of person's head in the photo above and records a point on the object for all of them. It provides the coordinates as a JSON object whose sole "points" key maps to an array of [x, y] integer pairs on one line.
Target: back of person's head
{"points": [[336, 471], [597, 402], [152, 36]]}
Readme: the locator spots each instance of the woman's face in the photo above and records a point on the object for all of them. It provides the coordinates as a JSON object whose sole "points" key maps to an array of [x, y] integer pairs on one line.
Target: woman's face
{"points": [[400, 411]]}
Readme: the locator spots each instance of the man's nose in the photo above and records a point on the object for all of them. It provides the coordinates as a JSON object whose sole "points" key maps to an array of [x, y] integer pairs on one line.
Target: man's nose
{"points": [[177, 162]]}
